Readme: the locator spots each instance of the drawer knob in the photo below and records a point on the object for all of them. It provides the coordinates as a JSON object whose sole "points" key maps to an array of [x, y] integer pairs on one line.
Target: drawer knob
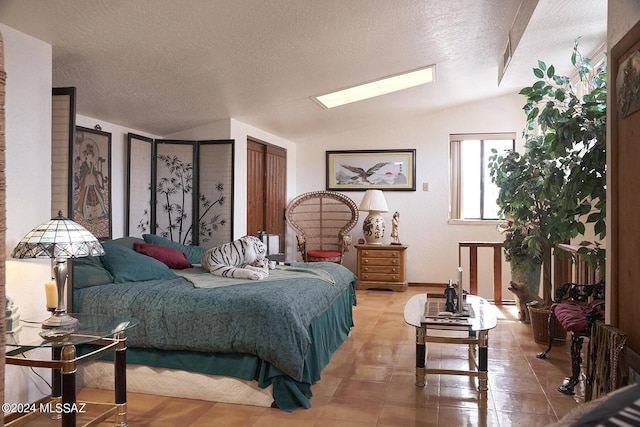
{"points": [[394, 277], [365, 261], [394, 261]]}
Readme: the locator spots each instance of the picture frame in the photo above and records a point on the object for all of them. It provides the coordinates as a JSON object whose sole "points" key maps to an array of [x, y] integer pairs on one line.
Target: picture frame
{"points": [[91, 182], [361, 170]]}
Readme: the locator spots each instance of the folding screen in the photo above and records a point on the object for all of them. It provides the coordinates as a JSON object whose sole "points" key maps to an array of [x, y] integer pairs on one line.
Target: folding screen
{"points": [[63, 127], [139, 194], [181, 190]]}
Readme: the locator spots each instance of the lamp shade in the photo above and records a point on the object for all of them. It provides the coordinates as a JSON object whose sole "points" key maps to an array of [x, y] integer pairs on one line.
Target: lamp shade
{"points": [[373, 201], [58, 238]]}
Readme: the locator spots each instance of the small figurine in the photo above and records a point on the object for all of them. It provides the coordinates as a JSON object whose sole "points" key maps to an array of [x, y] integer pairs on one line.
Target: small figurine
{"points": [[450, 294], [395, 238]]}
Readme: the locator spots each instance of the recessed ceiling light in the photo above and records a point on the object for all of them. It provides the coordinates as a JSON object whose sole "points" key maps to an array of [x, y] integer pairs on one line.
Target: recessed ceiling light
{"points": [[376, 88]]}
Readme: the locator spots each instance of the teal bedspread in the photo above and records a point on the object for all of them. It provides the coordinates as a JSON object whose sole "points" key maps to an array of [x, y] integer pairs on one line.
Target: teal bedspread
{"points": [[288, 329]]}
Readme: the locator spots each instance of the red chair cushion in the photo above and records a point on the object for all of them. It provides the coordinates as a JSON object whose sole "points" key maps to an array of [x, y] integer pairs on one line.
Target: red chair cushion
{"points": [[323, 254], [573, 315]]}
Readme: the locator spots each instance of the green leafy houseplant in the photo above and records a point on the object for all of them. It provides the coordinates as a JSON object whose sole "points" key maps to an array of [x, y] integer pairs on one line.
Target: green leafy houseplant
{"points": [[558, 184]]}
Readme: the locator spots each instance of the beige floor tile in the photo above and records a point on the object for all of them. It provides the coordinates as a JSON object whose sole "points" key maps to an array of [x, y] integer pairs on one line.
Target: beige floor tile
{"points": [[370, 381]]}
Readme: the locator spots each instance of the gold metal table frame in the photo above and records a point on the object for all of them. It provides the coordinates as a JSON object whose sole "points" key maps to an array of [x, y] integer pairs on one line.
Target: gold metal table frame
{"points": [[105, 332], [477, 339]]}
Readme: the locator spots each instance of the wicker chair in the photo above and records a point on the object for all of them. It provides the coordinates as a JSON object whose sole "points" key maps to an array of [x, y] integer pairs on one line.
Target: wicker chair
{"points": [[322, 221]]}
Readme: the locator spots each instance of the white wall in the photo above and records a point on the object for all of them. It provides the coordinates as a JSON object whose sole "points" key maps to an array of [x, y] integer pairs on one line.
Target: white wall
{"points": [[28, 166], [432, 256]]}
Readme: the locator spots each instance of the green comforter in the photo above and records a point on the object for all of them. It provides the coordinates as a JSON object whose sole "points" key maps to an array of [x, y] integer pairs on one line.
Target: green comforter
{"points": [[268, 319]]}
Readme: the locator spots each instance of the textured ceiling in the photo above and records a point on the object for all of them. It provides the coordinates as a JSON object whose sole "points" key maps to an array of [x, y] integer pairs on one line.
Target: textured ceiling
{"points": [[161, 66]]}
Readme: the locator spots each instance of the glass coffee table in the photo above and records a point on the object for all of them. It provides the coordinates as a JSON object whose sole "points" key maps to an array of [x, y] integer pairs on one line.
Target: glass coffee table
{"points": [[105, 333], [476, 326]]}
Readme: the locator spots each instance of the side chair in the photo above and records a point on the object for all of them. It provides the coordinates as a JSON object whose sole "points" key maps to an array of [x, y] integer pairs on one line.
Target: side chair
{"points": [[322, 221]]}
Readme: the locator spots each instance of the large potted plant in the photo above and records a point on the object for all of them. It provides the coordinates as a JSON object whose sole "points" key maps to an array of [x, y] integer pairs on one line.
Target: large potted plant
{"points": [[556, 188], [528, 187]]}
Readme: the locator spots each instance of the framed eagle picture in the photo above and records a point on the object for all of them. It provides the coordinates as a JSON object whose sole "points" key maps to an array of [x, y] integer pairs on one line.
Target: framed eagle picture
{"points": [[361, 170]]}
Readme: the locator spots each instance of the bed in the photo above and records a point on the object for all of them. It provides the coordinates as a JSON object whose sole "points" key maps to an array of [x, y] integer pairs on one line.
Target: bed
{"points": [[277, 333]]}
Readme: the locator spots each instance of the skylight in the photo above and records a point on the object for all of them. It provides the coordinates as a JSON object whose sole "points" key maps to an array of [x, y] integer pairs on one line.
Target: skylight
{"points": [[376, 88]]}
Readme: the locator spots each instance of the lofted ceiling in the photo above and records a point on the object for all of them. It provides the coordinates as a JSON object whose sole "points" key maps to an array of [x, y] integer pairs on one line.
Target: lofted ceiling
{"points": [[162, 66]]}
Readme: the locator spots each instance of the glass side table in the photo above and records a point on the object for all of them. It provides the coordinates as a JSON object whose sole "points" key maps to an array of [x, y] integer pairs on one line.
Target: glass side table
{"points": [[107, 333]]}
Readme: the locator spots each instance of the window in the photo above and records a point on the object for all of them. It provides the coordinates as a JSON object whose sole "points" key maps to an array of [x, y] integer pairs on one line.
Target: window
{"points": [[473, 195]]}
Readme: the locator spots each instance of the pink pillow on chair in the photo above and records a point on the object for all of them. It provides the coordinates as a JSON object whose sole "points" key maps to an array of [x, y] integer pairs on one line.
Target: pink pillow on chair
{"points": [[573, 315]]}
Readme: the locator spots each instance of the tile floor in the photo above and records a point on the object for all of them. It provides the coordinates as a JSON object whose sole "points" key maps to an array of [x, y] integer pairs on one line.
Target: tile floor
{"points": [[370, 382]]}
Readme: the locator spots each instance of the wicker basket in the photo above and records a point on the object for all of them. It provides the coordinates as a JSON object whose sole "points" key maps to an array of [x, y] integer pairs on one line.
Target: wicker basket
{"points": [[540, 326]]}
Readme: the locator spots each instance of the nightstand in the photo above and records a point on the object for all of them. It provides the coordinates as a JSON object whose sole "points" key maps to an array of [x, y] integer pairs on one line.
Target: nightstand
{"points": [[382, 267]]}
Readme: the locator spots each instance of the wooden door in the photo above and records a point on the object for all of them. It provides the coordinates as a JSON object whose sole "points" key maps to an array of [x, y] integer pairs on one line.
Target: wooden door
{"points": [[624, 108], [256, 196], [266, 189]]}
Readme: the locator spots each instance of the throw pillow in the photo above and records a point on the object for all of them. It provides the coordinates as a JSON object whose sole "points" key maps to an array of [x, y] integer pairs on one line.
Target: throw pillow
{"points": [[127, 265], [89, 271], [173, 258], [127, 242], [193, 253]]}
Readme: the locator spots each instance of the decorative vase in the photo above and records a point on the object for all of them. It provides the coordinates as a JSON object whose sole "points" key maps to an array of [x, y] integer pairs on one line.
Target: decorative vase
{"points": [[373, 228], [525, 273]]}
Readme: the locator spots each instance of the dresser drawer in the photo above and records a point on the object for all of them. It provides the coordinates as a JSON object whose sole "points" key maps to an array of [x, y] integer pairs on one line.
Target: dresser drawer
{"points": [[380, 269], [380, 261], [379, 253], [381, 277]]}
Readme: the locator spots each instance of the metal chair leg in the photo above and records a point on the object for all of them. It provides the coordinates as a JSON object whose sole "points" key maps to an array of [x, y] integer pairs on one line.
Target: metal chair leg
{"points": [[551, 331], [576, 362]]}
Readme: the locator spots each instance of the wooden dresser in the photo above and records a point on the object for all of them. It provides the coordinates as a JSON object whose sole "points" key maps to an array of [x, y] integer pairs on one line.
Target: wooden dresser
{"points": [[382, 267]]}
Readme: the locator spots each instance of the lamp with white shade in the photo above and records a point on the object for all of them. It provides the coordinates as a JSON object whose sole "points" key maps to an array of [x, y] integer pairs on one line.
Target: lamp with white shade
{"points": [[59, 239], [373, 226]]}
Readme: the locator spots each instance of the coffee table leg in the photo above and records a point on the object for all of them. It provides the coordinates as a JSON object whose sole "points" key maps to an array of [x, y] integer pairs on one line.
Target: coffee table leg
{"points": [[420, 356], [483, 374], [483, 348]]}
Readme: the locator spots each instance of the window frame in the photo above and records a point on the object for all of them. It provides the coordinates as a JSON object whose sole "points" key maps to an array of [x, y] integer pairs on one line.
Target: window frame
{"points": [[455, 172]]}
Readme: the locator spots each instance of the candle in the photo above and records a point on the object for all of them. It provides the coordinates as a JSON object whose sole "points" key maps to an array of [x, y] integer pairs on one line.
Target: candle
{"points": [[51, 291]]}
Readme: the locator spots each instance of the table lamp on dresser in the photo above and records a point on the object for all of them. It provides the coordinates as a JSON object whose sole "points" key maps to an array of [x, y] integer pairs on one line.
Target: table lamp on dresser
{"points": [[373, 226]]}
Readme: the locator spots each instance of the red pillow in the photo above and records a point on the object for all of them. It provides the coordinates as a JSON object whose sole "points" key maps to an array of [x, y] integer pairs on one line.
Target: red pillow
{"points": [[173, 258]]}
